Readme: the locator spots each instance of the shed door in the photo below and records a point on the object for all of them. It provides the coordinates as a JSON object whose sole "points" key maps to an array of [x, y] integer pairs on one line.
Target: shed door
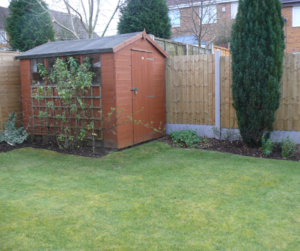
{"points": [[142, 99]]}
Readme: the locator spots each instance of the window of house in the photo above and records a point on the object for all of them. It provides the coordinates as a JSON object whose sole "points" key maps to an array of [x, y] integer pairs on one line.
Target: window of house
{"points": [[296, 16], [209, 14], [3, 37], [95, 60], [36, 78], [234, 9], [175, 18]]}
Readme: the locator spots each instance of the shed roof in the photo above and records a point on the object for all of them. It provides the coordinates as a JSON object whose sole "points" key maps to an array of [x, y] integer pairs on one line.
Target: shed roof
{"points": [[77, 47], [86, 46]]}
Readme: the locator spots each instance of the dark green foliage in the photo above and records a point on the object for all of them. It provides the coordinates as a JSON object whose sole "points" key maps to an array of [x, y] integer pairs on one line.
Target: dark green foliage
{"points": [[257, 48], [267, 145], [151, 15], [187, 137], [287, 146], [29, 25], [11, 134]]}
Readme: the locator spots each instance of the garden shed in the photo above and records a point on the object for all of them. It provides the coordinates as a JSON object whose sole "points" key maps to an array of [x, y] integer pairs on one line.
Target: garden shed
{"points": [[129, 76]]}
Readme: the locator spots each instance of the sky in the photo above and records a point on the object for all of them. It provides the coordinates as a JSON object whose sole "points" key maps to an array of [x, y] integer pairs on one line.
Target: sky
{"points": [[107, 9]]}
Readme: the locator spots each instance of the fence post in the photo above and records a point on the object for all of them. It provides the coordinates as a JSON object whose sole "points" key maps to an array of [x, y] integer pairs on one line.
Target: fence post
{"points": [[217, 92], [211, 47]]}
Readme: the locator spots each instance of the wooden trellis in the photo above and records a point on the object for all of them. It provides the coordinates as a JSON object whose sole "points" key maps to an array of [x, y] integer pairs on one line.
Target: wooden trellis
{"points": [[51, 126]]}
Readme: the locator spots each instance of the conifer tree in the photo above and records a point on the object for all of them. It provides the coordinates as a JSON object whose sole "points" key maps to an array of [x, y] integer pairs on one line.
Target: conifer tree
{"points": [[257, 49], [152, 15], [28, 25]]}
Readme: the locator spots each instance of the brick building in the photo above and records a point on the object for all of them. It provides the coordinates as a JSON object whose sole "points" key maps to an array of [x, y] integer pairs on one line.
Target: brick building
{"points": [[217, 18]]}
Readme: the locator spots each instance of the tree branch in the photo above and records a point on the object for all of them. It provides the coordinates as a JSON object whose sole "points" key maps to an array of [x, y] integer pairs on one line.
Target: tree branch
{"points": [[58, 23]]}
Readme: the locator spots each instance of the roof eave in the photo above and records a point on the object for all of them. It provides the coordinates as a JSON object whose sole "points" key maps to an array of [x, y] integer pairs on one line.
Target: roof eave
{"points": [[60, 54], [137, 37]]}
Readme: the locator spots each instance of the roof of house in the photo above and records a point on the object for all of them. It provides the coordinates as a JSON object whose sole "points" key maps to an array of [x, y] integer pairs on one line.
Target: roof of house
{"points": [[194, 2], [87, 46], [3, 12], [63, 18], [289, 2]]}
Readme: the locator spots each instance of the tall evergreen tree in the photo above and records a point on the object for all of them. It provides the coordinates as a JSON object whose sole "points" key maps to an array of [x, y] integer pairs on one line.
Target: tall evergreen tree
{"points": [[257, 49], [152, 15], [28, 24]]}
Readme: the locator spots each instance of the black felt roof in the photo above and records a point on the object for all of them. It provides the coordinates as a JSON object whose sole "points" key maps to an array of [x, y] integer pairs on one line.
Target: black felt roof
{"points": [[77, 47]]}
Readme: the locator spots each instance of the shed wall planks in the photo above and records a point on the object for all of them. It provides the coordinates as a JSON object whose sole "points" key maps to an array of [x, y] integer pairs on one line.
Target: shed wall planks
{"points": [[108, 87]]}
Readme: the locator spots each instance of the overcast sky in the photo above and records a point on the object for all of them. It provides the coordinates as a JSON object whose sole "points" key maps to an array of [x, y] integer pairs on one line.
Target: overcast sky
{"points": [[107, 9]]}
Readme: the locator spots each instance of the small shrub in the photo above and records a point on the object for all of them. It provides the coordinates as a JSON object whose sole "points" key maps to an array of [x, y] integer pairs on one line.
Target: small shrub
{"points": [[216, 131], [11, 134], [287, 146], [187, 137], [267, 146]]}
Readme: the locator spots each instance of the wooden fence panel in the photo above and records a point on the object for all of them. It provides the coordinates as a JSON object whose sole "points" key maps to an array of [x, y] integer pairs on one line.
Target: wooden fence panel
{"points": [[228, 114], [190, 84], [190, 89], [224, 51], [174, 48], [10, 87], [287, 116]]}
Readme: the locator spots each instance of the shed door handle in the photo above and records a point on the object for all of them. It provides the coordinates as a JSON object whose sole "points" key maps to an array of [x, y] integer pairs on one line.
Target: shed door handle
{"points": [[134, 90]]}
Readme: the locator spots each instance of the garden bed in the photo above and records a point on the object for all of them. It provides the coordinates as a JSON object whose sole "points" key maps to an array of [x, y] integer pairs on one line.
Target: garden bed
{"points": [[84, 151], [226, 146], [236, 147]]}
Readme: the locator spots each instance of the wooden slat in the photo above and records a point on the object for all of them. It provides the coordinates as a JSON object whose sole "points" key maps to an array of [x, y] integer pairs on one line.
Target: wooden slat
{"points": [[211, 77], [205, 89], [222, 102], [196, 90], [295, 117], [10, 87]]}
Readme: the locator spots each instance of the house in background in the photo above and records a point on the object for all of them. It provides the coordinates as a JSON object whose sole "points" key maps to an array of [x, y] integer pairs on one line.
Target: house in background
{"points": [[225, 12], [291, 14], [3, 38], [60, 33]]}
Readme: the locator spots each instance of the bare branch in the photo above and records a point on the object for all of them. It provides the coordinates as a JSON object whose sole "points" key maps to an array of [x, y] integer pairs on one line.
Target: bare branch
{"points": [[58, 23], [80, 17], [111, 18], [97, 13], [82, 5]]}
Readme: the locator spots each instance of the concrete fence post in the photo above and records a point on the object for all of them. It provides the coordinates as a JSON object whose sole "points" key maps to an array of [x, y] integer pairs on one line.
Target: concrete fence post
{"points": [[218, 92]]}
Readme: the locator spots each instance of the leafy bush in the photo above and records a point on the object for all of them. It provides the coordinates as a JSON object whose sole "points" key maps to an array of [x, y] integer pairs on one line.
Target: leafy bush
{"points": [[287, 147], [267, 145], [11, 134], [187, 137]]}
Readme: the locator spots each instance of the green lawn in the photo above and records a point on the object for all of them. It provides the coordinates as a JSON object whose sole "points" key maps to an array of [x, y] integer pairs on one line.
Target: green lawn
{"points": [[150, 197]]}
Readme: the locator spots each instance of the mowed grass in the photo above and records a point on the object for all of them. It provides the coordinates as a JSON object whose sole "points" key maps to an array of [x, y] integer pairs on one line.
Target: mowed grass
{"points": [[150, 197]]}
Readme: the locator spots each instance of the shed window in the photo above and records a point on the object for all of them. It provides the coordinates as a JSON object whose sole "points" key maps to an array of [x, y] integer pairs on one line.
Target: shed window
{"points": [[50, 64], [36, 77], [296, 16], [77, 58], [50, 68], [95, 61]]}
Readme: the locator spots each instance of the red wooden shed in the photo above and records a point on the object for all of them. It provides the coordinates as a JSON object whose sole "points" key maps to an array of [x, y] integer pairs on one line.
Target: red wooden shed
{"points": [[131, 76]]}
